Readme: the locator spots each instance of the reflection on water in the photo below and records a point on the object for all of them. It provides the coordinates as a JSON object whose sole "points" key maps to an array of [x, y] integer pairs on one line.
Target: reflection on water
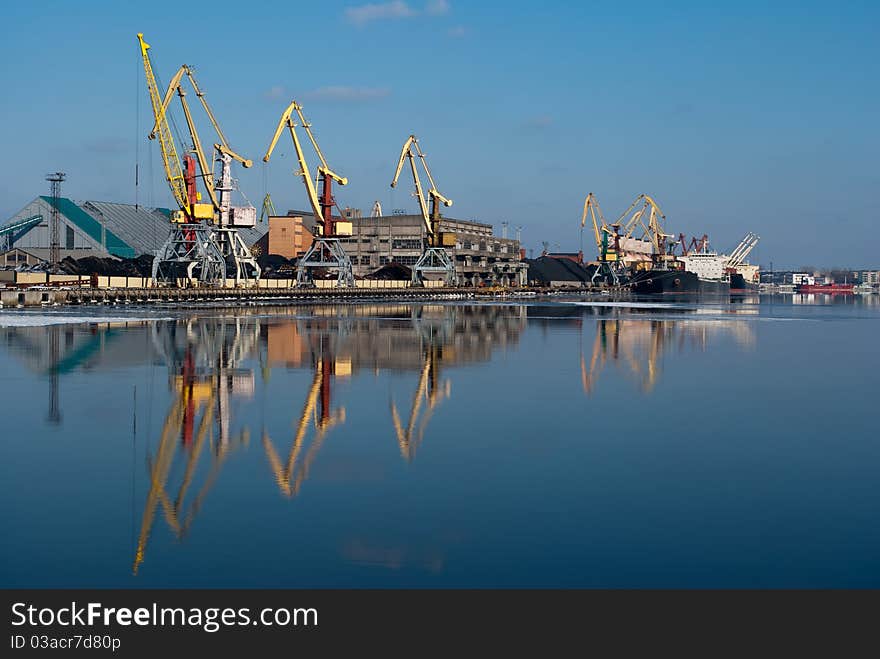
{"points": [[358, 379], [205, 357], [641, 345]]}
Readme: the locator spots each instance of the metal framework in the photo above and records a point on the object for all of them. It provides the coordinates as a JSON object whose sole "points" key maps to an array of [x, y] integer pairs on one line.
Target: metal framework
{"points": [[325, 253], [55, 223], [15, 230], [191, 252]]}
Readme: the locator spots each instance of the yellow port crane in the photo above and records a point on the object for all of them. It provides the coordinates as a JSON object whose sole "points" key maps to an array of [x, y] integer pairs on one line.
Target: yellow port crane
{"points": [[652, 230], [326, 251], [434, 258], [192, 251], [609, 255]]}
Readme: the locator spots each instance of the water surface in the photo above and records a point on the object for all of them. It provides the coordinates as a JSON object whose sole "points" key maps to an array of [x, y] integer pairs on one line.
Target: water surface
{"points": [[567, 443]]}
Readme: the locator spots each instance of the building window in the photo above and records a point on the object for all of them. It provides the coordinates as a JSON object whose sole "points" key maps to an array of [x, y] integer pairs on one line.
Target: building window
{"points": [[406, 243], [70, 237]]}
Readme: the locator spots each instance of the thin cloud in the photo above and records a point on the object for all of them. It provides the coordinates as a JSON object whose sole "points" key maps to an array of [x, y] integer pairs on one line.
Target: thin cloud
{"points": [[345, 94], [438, 7], [276, 92], [107, 146], [457, 32], [539, 122], [363, 14]]}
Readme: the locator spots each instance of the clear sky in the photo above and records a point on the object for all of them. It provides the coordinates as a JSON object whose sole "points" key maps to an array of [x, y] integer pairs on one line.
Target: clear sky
{"points": [[742, 116]]}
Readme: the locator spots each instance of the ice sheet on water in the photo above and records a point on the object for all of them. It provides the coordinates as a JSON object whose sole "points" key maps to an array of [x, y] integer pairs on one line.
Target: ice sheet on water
{"points": [[631, 305], [32, 319]]}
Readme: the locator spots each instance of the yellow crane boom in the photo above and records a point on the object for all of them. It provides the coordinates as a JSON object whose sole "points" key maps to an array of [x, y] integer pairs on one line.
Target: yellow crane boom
{"points": [[170, 159], [304, 172], [432, 220], [591, 208], [206, 169], [653, 230]]}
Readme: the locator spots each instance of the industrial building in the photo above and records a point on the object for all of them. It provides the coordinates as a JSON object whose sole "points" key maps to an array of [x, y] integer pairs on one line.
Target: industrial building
{"points": [[480, 257], [98, 228]]}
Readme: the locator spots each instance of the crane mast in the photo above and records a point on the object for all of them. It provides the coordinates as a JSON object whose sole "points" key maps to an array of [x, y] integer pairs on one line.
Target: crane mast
{"points": [[434, 258]]}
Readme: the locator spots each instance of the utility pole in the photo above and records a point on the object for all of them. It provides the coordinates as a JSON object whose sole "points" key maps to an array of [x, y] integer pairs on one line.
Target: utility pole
{"points": [[54, 228]]}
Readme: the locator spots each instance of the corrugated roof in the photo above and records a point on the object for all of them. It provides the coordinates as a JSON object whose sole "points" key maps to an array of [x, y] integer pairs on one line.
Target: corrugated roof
{"points": [[144, 228], [90, 226]]}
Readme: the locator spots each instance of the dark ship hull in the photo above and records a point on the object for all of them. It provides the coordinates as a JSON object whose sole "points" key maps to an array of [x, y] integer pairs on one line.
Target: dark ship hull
{"points": [[658, 282], [738, 284], [655, 282]]}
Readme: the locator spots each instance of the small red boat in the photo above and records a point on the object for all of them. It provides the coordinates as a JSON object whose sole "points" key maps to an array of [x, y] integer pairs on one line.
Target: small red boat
{"points": [[846, 289]]}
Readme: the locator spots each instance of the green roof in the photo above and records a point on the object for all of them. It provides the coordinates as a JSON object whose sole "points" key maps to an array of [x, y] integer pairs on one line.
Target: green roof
{"points": [[91, 227]]}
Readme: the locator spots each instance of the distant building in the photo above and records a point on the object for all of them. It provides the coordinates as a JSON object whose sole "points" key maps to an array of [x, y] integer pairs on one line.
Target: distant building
{"points": [[289, 236], [870, 277], [15, 257], [798, 278]]}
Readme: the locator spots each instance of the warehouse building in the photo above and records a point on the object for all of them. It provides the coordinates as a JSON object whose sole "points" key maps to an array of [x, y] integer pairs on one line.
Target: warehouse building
{"points": [[98, 228]]}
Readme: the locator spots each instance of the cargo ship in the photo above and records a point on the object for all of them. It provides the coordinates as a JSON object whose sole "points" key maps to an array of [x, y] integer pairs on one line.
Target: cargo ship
{"points": [[831, 289], [710, 270], [656, 281]]}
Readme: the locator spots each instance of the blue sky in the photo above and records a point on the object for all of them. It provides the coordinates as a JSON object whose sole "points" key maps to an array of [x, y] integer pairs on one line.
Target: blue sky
{"points": [[751, 116]]}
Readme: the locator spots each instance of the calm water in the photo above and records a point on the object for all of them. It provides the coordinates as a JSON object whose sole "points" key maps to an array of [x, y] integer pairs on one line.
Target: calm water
{"points": [[389, 445]]}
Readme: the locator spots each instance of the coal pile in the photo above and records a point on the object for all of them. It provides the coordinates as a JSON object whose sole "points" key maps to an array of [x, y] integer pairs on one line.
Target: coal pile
{"points": [[391, 272], [275, 266], [546, 269], [141, 266]]}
